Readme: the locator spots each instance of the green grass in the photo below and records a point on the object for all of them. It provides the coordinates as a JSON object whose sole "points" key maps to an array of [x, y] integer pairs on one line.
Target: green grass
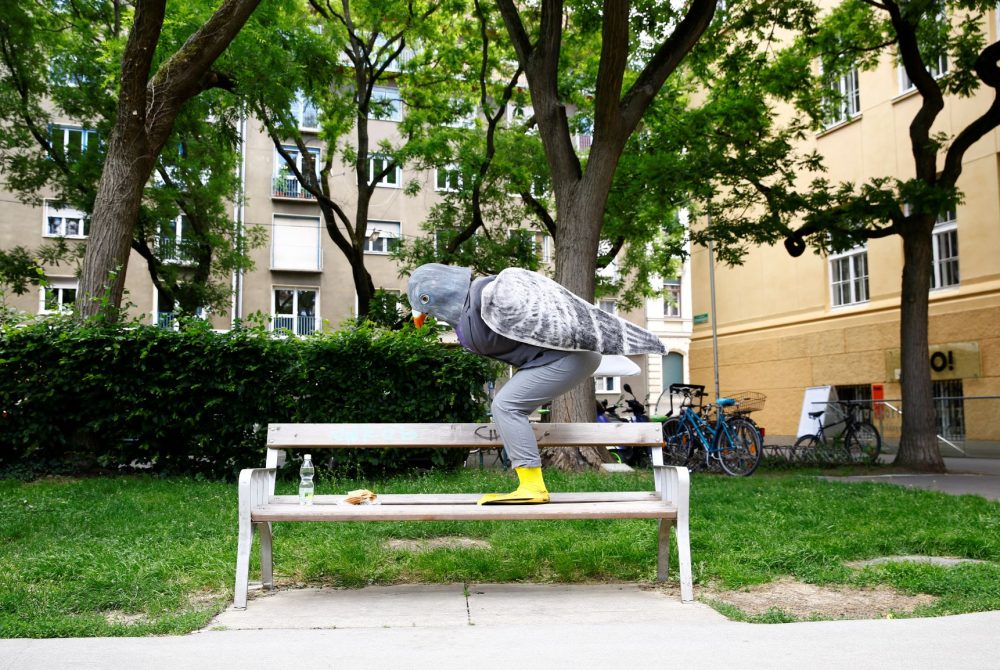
{"points": [[140, 556]]}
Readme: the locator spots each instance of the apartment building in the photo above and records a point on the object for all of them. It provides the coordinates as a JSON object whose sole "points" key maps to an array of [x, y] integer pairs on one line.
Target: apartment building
{"points": [[787, 324], [301, 281]]}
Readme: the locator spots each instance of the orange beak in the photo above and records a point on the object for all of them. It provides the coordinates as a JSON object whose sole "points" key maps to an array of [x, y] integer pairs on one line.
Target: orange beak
{"points": [[419, 318]]}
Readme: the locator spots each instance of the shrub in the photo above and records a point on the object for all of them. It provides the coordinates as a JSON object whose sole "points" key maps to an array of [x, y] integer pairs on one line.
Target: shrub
{"points": [[196, 401]]}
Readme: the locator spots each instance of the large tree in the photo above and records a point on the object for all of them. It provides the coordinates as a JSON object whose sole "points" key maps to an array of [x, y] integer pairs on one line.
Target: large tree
{"points": [[478, 223], [641, 45], [63, 63], [759, 165], [123, 70]]}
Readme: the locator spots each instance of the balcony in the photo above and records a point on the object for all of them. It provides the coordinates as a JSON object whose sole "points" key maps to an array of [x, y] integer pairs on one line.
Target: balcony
{"points": [[289, 187], [299, 325], [175, 251]]}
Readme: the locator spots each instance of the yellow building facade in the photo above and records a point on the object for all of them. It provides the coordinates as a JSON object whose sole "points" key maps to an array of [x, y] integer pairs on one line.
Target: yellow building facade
{"points": [[787, 324]]}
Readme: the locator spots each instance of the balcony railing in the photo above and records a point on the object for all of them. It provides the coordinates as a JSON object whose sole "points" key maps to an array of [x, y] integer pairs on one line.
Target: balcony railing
{"points": [[289, 187], [300, 325], [166, 320], [172, 250]]}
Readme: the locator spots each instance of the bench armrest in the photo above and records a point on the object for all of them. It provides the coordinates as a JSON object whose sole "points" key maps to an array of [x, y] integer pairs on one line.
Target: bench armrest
{"points": [[256, 486]]}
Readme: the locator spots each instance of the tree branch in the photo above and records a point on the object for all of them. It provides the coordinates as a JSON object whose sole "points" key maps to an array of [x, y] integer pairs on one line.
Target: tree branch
{"points": [[178, 79], [518, 36], [924, 153], [666, 59], [989, 74]]}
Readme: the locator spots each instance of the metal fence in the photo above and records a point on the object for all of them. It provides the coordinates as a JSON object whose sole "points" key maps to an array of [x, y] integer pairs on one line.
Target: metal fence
{"points": [[966, 425]]}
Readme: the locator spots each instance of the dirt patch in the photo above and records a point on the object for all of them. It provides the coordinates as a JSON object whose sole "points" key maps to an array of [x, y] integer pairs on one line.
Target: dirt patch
{"points": [[119, 618], [432, 543], [805, 601]]}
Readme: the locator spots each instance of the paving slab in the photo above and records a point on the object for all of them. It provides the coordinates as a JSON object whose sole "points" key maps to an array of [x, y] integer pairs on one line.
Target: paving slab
{"points": [[505, 604], [401, 606], [987, 486]]}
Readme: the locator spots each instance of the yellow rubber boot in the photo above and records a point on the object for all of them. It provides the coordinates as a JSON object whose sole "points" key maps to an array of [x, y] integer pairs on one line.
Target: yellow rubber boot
{"points": [[530, 490]]}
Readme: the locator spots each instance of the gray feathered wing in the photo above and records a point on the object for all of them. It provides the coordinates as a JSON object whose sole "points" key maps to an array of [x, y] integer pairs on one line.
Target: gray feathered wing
{"points": [[528, 307]]}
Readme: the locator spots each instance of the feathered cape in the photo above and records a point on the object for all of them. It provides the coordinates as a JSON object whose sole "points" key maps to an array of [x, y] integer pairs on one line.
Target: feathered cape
{"points": [[528, 307]]}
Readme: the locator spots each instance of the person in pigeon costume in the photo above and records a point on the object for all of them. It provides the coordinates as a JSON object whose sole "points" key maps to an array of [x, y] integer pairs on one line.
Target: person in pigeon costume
{"points": [[554, 339]]}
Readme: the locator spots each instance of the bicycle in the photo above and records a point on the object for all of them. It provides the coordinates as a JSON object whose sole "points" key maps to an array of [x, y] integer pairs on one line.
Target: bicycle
{"points": [[731, 440], [860, 441]]}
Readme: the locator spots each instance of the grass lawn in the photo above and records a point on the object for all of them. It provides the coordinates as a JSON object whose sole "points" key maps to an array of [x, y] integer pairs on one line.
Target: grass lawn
{"points": [[138, 556]]}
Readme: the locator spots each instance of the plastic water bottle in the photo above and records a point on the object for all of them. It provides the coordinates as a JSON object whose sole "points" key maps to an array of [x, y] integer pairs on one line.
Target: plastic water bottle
{"points": [[306, 486]]}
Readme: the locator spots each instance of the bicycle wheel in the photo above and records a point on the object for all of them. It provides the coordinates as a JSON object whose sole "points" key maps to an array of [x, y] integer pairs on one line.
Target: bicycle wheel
{"points": [[863, 442], [739, 448], [806, 449], [677, 441]]}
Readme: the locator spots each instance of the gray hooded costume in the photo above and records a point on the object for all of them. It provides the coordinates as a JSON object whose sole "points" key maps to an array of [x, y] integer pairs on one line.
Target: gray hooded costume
{"points": [[520, 317]]}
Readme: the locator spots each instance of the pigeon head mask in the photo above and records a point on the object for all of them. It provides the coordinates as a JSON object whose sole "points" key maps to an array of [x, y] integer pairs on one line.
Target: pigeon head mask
{"points": [[439, 291]]}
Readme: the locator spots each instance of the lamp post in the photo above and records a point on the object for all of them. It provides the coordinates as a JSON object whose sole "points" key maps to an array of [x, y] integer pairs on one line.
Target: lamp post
{"points": [[711, 288]]}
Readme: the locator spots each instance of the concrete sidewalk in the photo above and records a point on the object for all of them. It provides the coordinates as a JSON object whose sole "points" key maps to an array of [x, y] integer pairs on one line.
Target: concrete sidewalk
{"points": [[519, 626], [964, 476]]}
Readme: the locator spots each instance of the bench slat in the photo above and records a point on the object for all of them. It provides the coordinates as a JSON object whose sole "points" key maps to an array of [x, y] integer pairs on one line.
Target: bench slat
{"points": [[472, 498], [470, 512], [465, 435]]}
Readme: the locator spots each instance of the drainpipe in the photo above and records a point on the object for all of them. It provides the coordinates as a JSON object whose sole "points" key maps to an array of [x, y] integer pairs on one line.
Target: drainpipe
{"points": [[239, 215]]}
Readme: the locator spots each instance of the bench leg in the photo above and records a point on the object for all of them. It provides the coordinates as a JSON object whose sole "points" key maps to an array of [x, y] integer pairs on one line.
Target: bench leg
{"points": [[663, 549], [243, 546], [684, 555], [266, 573]]}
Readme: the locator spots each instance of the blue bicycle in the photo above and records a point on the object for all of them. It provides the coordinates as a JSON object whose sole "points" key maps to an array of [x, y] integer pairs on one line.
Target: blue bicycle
{"points": [[715, 432]]}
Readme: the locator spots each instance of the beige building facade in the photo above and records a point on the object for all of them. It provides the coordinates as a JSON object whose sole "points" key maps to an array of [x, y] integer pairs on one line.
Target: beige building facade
{"points": [[787, 324]]}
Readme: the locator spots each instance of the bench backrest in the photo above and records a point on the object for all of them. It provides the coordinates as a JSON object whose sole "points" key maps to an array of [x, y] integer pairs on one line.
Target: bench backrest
{"points": [[464, 435]]}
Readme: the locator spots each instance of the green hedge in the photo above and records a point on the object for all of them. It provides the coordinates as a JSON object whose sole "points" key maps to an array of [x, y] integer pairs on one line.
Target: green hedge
{"points": [[196, 401]]}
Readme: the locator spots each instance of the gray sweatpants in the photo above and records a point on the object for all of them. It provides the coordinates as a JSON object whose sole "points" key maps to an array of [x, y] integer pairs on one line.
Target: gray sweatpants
{"points": [[528, 390]]}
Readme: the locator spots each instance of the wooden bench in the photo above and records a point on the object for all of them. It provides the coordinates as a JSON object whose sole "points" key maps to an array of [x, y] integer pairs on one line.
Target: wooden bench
{"points": [[259, 507]]}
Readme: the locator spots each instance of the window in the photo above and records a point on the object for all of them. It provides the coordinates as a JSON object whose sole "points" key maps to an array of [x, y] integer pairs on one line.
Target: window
{"points": [[381, 237], [295, 244], [173, 242], [392, 179], [58, 296], [166, 312], [845, 102], [65, 222], [295, 309], [519, 112], [543, 247], [949, 409], [448, 178], [610, 271], [607, 384], [937, 68], [385, 104], [672, 298], [304, 112], [849, 277], [461, 116], [285, 184], [945, 272], [72, 142]]}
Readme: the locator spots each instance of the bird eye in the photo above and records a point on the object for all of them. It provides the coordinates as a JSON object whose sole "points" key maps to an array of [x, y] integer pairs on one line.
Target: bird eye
{"points": [[424, 299]]}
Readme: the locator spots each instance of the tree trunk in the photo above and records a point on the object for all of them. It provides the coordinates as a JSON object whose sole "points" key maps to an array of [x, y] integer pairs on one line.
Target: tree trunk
{"points": [[127, 167], [147, 109], [918, 446], [576, 243]]}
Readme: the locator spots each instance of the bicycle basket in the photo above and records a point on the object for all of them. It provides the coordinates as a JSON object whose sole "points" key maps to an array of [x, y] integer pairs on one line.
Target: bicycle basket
{"points": [[745, 402]]}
